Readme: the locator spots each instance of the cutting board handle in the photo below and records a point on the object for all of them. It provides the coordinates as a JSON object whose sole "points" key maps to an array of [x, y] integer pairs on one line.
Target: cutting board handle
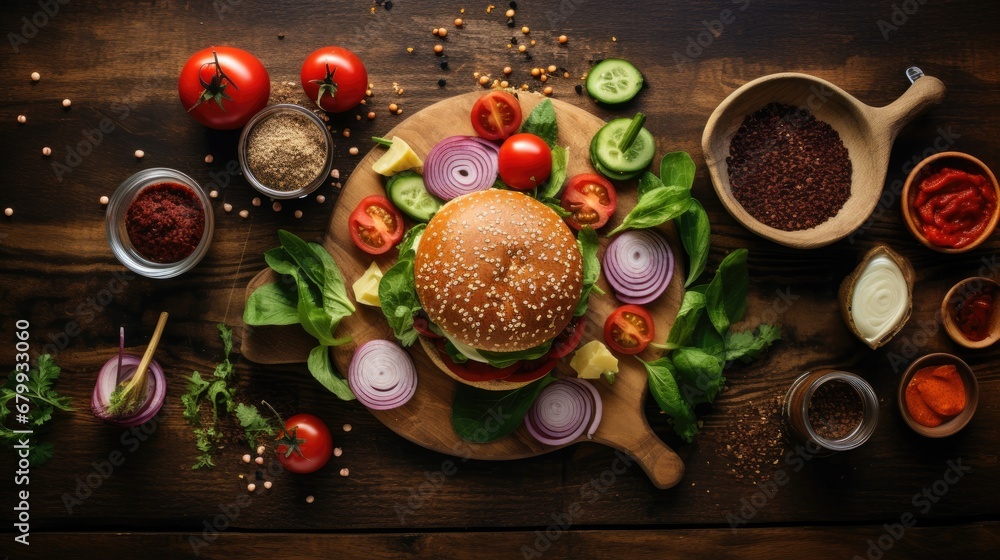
{"points": [[664, 467], [926, 92]]}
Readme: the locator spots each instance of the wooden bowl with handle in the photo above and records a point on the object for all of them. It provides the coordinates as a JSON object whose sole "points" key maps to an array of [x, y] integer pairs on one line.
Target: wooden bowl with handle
{"points": [[867, 133]]}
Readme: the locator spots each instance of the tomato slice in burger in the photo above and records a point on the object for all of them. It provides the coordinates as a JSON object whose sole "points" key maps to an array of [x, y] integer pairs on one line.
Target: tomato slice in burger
{"points": [[496, 115], [535, 369], [592, 200], [569, 338], [376, 226], [423, 326], [472, 370], [629, 329]]}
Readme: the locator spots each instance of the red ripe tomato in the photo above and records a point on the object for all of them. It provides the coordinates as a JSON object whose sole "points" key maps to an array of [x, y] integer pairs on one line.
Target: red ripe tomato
{"points": [[222, 87], [496, 115], [334, 78], [376, 226], [472, 370], [592, 200], [569, 338], [305, 444], [629, 329], [525, 161]]}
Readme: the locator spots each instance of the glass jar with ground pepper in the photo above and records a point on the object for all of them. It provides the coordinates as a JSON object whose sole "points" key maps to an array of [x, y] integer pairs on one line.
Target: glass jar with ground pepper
{"points": [[833, 410], [286, 151], [159, 223]]}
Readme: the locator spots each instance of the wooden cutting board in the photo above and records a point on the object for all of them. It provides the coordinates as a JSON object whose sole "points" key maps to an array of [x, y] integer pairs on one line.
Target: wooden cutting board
{"points": [[426, 419]]}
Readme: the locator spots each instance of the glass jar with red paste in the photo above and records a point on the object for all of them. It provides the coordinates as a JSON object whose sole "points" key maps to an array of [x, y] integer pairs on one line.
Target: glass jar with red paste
{"points": [[159, 223]]}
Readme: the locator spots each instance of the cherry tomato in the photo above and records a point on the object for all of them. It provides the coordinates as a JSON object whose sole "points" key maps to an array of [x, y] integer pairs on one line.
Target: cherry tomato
{"points": [[334, 78], [629, 329], [472, 370], [305, 444], [222, 87], [592, 200], [496, 115], [569, 338], [376, 226], [525, 161], [535, 369]]}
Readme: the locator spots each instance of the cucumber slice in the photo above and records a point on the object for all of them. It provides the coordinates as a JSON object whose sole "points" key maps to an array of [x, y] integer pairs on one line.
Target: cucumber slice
{"points": [[613, 175], [613, 81], [408, 193], [604, 148]]}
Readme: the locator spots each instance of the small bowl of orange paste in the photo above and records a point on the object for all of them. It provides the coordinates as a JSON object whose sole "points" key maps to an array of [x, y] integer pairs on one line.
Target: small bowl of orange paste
{"points": [[938, 395], [950, 202]]}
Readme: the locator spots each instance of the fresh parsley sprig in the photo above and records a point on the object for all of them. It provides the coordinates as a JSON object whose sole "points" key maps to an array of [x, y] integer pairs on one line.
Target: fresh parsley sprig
{"points": [[43, 401]]}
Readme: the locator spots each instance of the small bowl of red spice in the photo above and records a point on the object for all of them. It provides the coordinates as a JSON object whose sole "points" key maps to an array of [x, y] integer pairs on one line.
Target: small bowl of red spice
{"points": [[938, 395], [969, 312], [159, 223], [950, 202], [286, 151]]}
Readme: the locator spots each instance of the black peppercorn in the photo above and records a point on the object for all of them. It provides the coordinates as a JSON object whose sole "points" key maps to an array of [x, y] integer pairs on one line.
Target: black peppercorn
{"points": [[442, 82]]}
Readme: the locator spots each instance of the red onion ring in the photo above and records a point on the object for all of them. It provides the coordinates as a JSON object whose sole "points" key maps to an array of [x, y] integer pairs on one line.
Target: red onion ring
{"points": [[460, 165], [639, 265], [108, 379], [382, 375], [562, 410]]}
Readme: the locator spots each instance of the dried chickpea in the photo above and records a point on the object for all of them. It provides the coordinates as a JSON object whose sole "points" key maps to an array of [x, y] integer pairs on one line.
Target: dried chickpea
{"points": [[438, 49], [458, 22]]}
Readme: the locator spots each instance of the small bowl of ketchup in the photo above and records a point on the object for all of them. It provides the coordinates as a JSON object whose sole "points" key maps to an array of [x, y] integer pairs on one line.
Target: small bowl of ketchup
{"points": [[969, 312], [950, 202]]}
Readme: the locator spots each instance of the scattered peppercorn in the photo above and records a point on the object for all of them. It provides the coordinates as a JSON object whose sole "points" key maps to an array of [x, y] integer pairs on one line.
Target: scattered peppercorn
{"points": [[444, 64], [209, 158], [298, 213], [578, 88], [320, 198], [255, 201], [276, 207], [753, 443], [442, 82], [281, 36]]}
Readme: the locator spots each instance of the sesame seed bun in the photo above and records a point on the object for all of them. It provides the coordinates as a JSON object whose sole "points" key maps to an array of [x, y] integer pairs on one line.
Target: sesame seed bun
{"points": [[499, 271]]}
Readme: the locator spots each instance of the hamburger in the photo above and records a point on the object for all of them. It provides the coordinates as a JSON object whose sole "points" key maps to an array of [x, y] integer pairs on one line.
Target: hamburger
{"points": [[499, 276]]}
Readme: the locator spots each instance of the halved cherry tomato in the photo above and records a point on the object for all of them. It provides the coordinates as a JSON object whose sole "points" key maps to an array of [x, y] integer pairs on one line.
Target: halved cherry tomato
{"points": [[525, 161], [472, 370], [496, 115], [629, 329], [592, 200], [535, 369], [567, 341], [376, 226]]}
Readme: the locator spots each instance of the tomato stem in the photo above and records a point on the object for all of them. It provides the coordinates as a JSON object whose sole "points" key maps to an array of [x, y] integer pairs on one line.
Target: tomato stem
{"points": [[326, 86], [632, 132], [216, 89]]}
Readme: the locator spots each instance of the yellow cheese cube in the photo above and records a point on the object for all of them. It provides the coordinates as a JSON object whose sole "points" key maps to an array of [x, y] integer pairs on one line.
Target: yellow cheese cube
{"points": [[366, 287], [593, 359]]}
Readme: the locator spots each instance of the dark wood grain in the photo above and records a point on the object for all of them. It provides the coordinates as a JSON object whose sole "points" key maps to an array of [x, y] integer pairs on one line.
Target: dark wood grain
{"points": [[58, 272]]}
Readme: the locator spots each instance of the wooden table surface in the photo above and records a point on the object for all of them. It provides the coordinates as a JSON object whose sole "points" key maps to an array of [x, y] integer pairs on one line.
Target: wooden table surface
{"points": [[119, 62]]}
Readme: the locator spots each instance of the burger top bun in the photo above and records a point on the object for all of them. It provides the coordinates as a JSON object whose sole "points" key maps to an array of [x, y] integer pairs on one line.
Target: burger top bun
{"points": [[499, 271]]}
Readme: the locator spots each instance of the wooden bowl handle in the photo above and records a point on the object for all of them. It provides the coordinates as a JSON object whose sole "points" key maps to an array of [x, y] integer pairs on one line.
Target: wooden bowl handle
{"points": [[925, 93], [661, 464]]}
